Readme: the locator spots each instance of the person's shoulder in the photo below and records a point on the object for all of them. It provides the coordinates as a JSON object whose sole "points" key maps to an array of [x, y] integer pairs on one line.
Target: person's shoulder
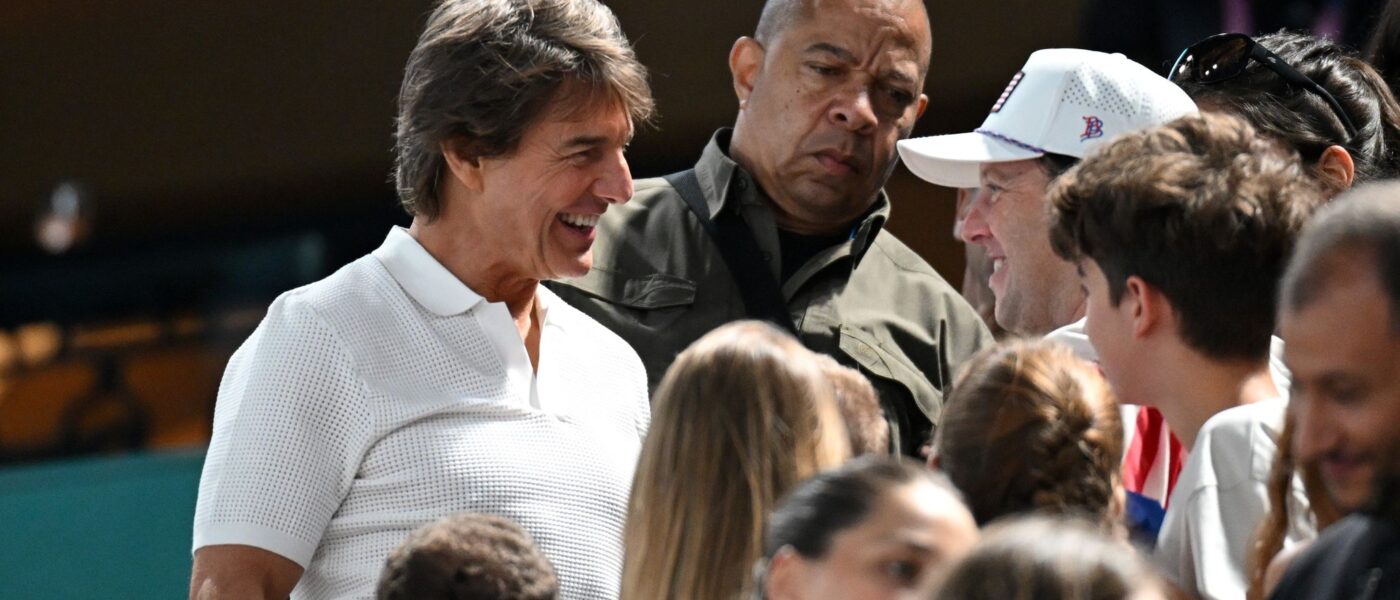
{"points": [[348, 287], [903, 258], [906, 279], [650, 197], [1237, 440], [325, 314], [644, 225], [1330, 566], [1238, 423]]}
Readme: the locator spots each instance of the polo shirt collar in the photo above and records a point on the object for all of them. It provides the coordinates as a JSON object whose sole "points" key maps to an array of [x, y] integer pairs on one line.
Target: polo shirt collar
{"points": [[723, 181], [422, 277]]}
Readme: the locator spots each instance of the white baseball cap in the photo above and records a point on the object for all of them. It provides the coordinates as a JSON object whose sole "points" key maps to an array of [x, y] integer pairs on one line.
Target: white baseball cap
{"points": [[1064, 101]]}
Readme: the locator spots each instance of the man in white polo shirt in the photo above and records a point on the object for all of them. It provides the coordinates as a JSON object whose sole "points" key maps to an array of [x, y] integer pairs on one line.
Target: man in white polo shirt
{"points": [[1062, 105], [436, 375]]}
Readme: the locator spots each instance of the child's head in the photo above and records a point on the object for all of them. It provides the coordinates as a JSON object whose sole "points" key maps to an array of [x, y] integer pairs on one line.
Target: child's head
{"points": [[876, 528], [1030, 427], [468, 556], [1050, 558], [1181, 230]]}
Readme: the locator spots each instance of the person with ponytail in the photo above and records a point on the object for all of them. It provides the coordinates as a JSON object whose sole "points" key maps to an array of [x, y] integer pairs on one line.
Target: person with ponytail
{"points": [[1032, 428]]}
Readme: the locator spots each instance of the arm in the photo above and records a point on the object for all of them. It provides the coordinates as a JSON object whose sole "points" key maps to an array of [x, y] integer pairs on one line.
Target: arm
{"points": [[232, 571]]}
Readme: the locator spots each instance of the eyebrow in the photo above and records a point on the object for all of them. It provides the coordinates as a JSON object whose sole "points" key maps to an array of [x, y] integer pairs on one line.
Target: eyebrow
{"points": [[592, 141], [834, 50], [907, 542], [847, 56]]}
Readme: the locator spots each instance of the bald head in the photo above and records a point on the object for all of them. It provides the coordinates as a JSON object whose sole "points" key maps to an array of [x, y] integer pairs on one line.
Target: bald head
{"points": [[778, 15]]}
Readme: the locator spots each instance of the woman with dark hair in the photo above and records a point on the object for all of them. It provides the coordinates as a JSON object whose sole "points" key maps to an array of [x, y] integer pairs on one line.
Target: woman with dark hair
{"points": [[1048, 558], [876, 528], [1313, 95], [1383, 49]]}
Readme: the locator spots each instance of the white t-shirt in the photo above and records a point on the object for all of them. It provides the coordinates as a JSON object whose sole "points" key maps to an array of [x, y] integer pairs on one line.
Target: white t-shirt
{"points": [[1157, 484], [1221, 498], [390, 394]]}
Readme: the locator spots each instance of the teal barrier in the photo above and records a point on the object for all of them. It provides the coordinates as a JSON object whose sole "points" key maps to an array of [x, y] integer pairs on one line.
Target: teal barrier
{"points": [[99, 528]]}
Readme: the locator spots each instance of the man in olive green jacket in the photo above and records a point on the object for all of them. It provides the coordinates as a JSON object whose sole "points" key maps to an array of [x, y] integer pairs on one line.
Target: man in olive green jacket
{"points": [[823, 97]]}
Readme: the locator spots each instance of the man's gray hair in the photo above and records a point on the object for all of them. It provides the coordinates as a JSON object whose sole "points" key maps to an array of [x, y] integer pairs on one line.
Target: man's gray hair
{"points": [[1365, 220], [485, 71]]}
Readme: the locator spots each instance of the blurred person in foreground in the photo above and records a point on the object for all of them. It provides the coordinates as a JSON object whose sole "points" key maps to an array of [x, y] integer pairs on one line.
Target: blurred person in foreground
{"points": [[468, 557], [1340, 316], [1051, 558], [1181, 234], [1031, 427], [793, 194], [436, 375], [742, 417], [1062, 105], [875, 529]]}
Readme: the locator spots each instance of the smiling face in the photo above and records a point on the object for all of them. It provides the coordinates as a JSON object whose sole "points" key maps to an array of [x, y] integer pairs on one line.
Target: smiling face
{"points": [[1345, 360], [823, 103], [1036, 291], [537, 206], [909, 536]]}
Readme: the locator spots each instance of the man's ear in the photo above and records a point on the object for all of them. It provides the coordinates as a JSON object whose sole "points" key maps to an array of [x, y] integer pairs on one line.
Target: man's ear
{"points": [[923, 103], [1336, 166], [1145, 305], [462, 164], [786, 572], [745, 66]]}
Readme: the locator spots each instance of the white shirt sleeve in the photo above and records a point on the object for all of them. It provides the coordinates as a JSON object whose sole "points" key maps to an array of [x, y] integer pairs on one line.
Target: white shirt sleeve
{"points": [[290, 426]]}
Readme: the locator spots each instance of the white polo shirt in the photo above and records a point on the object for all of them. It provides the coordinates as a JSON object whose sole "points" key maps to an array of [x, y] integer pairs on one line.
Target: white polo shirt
{"points": [[1222, 497], [390, 394]]}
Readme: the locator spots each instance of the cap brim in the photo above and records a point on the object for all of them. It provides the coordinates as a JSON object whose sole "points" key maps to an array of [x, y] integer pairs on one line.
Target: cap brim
{"points": [[952, 160]]}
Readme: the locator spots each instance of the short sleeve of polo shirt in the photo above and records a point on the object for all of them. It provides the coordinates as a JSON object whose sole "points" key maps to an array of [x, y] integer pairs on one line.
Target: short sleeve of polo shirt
{"points": [[290, 426]]}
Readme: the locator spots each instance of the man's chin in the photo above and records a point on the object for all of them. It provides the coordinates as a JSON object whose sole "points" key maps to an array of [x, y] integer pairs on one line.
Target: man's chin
{"points": [[573, 268]]}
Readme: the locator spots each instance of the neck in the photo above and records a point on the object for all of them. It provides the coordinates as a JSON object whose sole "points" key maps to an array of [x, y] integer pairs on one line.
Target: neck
{"points": [[463, 256], [1191, 389]]}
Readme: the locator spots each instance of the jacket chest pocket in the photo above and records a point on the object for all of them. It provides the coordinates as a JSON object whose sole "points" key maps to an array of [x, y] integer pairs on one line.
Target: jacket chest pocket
{"points": [[874, 359]]}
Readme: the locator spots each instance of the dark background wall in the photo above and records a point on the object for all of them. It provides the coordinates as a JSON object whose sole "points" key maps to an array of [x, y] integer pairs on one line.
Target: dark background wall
{"points": [[193, 119], [233, 150]]}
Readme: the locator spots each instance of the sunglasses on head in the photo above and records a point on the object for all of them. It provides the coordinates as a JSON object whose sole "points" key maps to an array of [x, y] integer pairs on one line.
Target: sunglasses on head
{"points": [[1224, 56]]}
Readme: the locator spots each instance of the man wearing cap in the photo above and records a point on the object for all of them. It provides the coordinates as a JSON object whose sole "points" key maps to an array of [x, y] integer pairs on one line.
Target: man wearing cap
{"points": [[1059, 107], [825, 89], [1063, 104]]}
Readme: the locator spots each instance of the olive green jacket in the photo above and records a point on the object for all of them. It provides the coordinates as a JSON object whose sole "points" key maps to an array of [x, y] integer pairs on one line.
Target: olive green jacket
{"points": [[872, 303]]}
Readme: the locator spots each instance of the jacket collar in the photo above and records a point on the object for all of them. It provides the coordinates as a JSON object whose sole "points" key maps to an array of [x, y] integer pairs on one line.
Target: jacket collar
{"points": [[726, 184]]}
